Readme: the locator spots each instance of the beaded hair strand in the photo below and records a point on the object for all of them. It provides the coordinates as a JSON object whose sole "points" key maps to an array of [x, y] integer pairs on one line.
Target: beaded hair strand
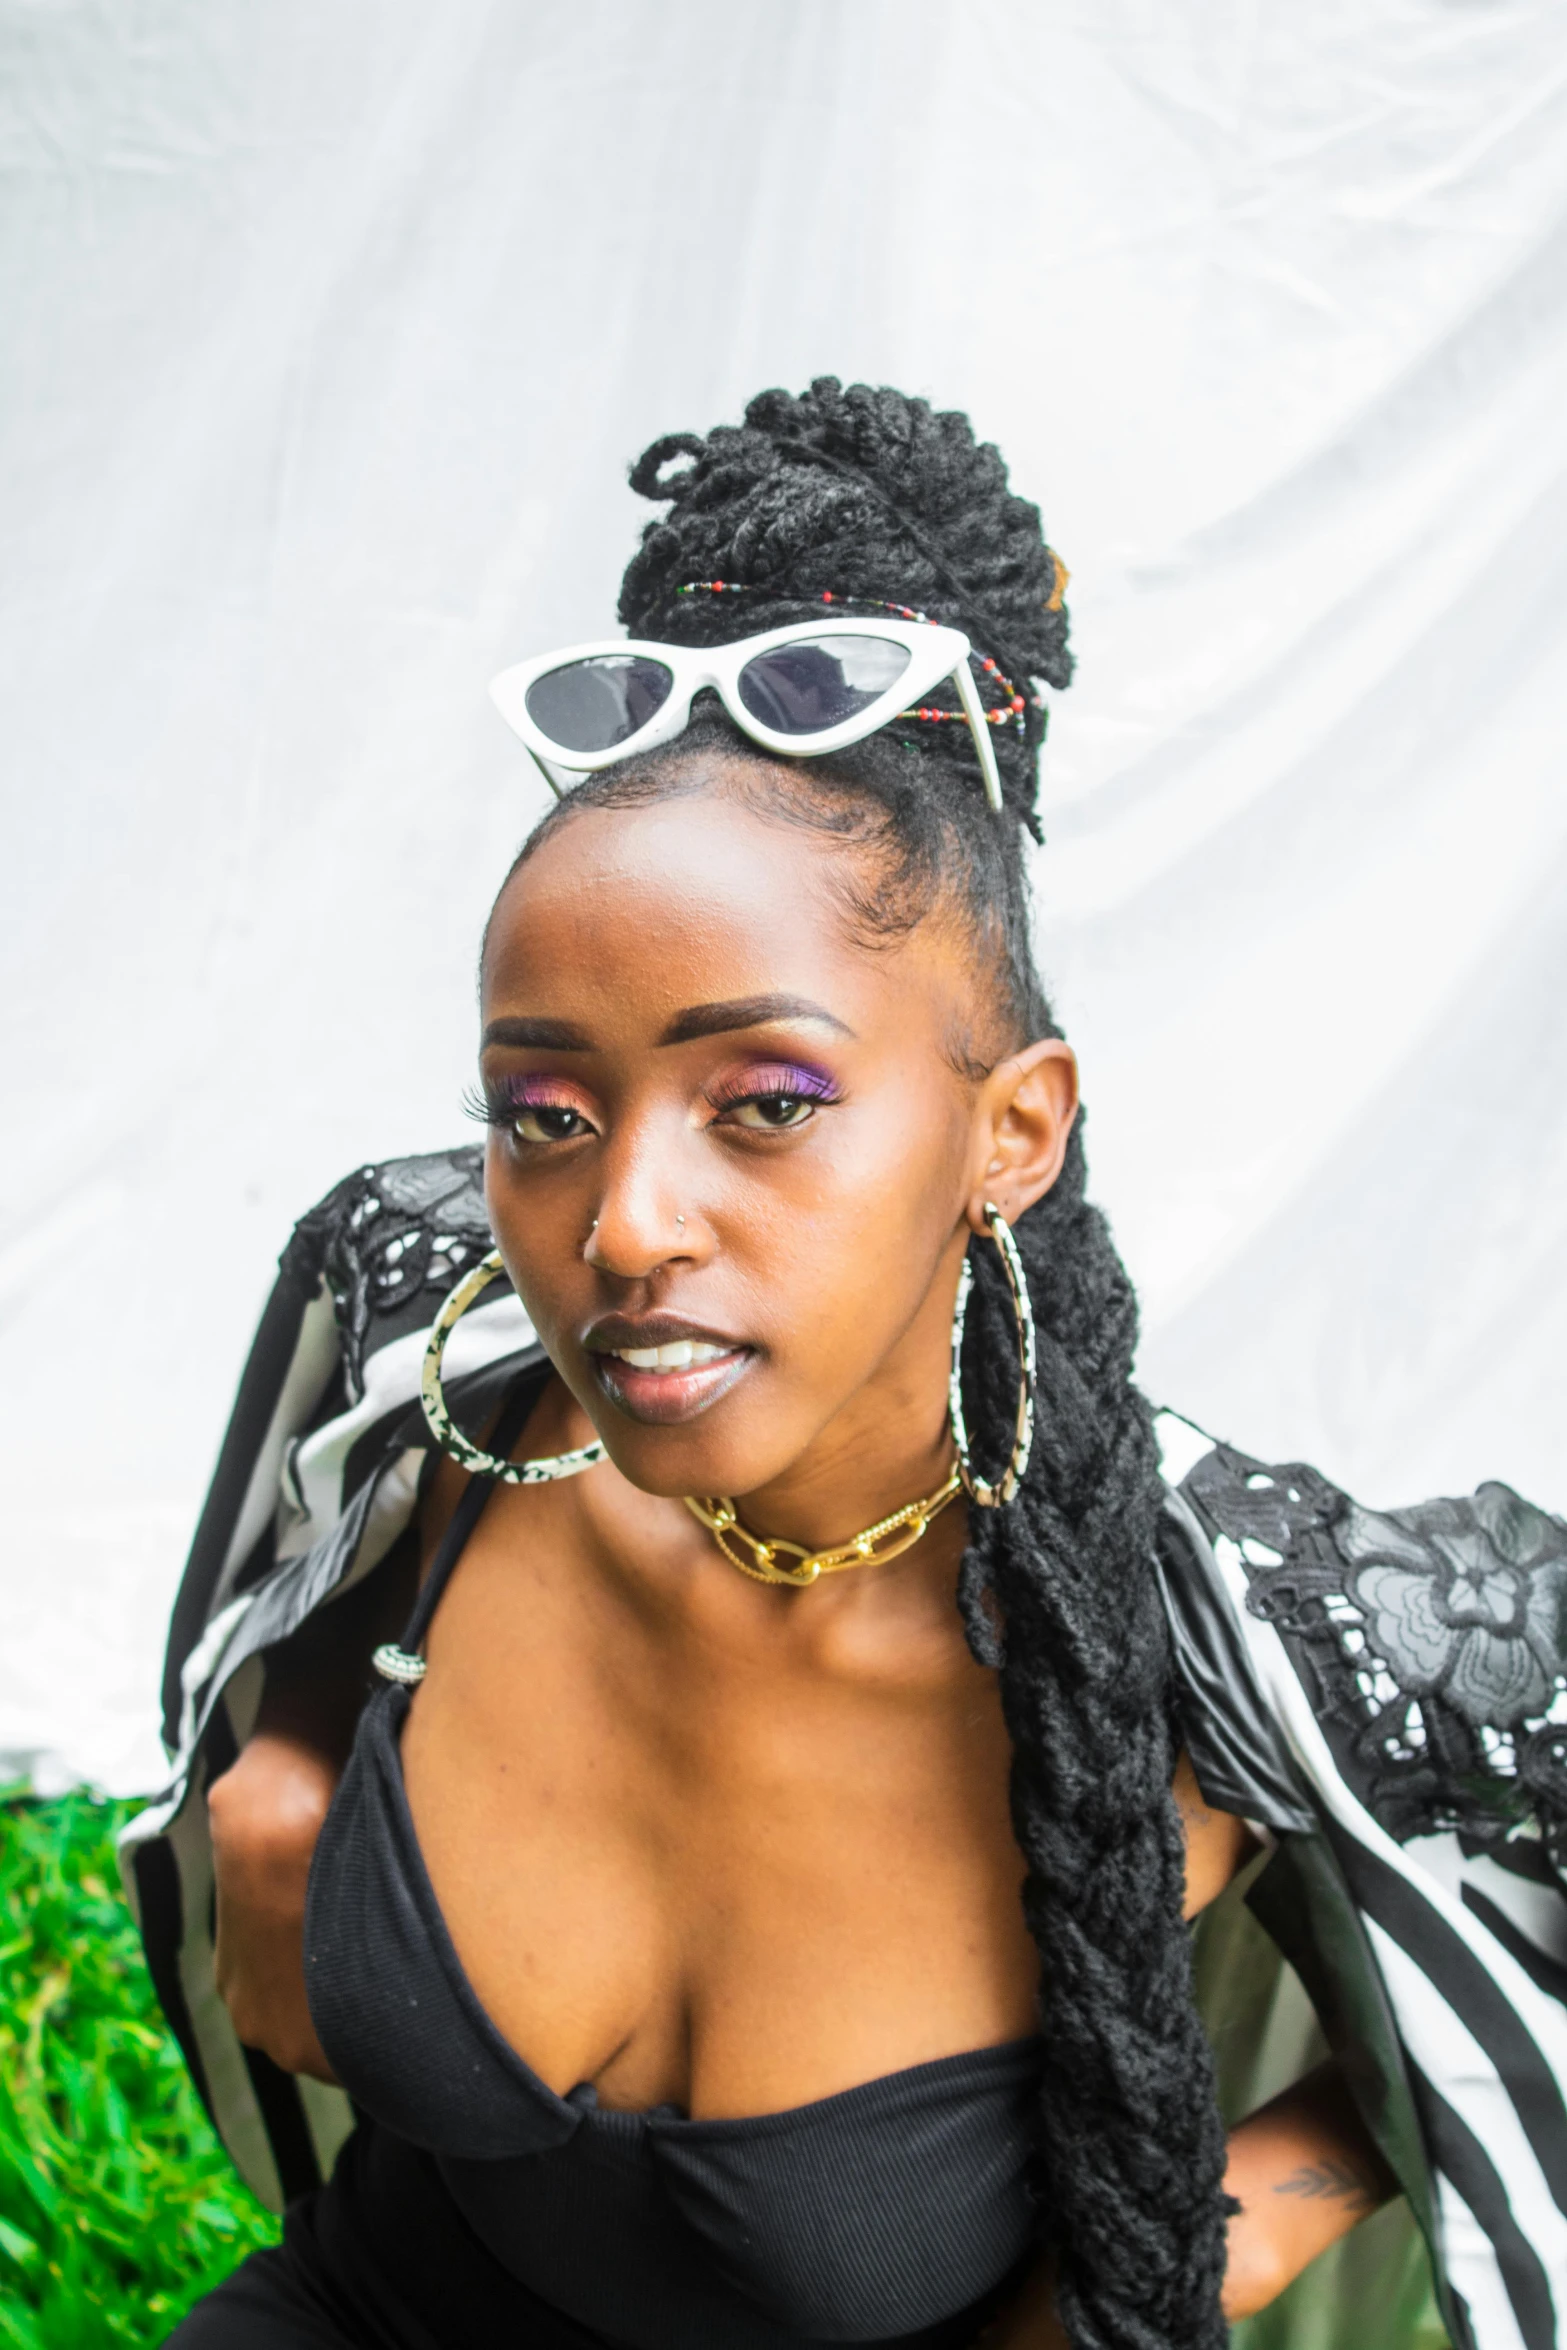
{"points": [[1010, 711]]}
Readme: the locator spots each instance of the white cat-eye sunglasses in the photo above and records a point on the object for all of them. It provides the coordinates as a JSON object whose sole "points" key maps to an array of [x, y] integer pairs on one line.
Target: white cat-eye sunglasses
{"points": [[800, 691]]}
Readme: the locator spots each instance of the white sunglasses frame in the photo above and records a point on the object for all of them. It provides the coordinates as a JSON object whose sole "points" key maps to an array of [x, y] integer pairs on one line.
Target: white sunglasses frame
{"points": [[937, 653]]}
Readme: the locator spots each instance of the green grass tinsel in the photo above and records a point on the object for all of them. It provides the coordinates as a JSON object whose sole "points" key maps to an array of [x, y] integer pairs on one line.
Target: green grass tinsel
{"points": [[118, 2207]]}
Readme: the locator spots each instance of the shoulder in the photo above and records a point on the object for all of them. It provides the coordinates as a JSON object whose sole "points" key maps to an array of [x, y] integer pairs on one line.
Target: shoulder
{"points": [[385, 1240], [319, 1468], [1430, 1639], [379, 1254]]}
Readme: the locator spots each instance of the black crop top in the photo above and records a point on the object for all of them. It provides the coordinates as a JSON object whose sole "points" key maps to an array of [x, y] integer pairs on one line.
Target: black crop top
{"points": [[890, 2213]]}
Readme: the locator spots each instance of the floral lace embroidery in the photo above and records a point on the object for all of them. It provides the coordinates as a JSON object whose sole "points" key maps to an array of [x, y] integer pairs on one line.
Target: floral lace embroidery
{"points": [[1432, 1641], [388, 1235]]}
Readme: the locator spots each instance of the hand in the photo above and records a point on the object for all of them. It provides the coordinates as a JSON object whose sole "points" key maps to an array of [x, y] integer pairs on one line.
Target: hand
{"points": [[266, 1813]]}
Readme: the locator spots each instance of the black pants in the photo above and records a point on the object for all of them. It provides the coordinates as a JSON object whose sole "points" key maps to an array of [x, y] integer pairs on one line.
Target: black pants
{"points": [[379, 2259]]}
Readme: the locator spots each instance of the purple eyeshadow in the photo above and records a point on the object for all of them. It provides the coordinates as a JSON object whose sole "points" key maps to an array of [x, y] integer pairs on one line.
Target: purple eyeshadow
{"points": [[802, 1079], [530, 1092], [813, 1085]]}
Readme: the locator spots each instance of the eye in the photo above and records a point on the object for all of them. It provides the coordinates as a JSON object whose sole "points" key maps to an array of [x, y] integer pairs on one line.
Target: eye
{"points": [[771, 1113], [547, 1122], [506, 1106], [770, 1097]]}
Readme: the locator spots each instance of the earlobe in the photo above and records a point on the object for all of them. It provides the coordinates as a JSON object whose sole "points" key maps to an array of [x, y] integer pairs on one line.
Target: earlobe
{"points": [[1025, 1115]]}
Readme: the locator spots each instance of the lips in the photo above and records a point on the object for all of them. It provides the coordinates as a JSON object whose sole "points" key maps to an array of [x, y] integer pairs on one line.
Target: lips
{"points": [[661, 1369]]}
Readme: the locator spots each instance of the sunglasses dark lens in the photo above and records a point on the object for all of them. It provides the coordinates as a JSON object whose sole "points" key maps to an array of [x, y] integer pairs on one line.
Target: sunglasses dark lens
{"points": [[818, 682], [592, 705]]}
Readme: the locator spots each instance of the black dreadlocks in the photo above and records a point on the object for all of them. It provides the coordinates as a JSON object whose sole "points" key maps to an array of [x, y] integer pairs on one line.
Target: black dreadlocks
{"points": [[867, 493]]}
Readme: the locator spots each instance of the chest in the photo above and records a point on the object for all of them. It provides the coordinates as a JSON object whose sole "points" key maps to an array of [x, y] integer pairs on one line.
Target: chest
{"points": [[699, 1865]]}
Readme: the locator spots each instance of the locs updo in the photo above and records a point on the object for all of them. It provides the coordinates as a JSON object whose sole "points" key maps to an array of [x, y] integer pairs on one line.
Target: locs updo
{"points": [[871, 495]]}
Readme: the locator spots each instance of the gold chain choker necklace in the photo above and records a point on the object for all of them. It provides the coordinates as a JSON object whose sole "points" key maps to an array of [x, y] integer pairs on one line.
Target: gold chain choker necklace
{"points": [[889, 1538]]}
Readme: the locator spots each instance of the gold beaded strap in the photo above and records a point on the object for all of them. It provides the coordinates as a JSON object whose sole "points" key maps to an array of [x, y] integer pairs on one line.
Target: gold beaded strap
{"points": [[889, 1538]]}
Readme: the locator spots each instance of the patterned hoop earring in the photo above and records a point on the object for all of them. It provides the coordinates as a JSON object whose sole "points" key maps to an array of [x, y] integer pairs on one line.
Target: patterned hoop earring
{"points": [[444, 1428], [990, 1497]]}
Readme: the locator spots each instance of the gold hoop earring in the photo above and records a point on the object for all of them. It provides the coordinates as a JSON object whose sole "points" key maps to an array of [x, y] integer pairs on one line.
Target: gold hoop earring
{"points": [[444, 1428], [990, 1497]]}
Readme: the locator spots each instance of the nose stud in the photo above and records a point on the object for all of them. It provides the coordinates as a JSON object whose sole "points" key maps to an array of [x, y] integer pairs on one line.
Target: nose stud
{"points": [[680, 1222]]}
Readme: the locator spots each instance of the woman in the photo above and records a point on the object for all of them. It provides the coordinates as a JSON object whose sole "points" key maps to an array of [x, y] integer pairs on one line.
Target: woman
{"points": [[752, 1909]]}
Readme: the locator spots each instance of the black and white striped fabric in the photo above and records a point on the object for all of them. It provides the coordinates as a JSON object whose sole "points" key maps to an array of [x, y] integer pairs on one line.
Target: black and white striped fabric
{"points": [[1382, 1694]]}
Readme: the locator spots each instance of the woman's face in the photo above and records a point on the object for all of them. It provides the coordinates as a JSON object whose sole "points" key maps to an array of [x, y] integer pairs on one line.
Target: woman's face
{"points": [[730, 1159]]}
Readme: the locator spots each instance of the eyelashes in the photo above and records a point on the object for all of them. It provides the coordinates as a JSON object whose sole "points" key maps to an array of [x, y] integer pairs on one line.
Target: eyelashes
{"points": [[500, 1104], [783, 1094], [799, 1081]]}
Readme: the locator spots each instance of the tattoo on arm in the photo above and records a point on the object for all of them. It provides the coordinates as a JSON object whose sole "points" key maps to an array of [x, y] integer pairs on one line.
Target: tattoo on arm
{"points": [[1328, 2180]]}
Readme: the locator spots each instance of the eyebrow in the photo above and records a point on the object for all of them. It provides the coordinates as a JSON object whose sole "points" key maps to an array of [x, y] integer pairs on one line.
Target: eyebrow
{"points": [[751, 1011], [547, 1036]]}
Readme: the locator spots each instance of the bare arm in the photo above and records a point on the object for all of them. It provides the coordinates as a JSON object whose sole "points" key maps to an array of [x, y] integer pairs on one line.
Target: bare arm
{"points": [[266, 1811], [1304, 2173]]}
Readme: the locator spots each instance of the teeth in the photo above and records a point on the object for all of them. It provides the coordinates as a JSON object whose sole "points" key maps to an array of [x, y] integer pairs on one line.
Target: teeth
{"points": [[679, 1357]]}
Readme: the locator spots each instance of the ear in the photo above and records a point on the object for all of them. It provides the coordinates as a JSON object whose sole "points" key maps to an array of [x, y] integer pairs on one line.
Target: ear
{"points": [[1022, 1125]]}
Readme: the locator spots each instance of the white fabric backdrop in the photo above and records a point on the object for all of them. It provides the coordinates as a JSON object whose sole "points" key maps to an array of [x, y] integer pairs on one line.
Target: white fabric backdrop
{"points": [[328, 334]]}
